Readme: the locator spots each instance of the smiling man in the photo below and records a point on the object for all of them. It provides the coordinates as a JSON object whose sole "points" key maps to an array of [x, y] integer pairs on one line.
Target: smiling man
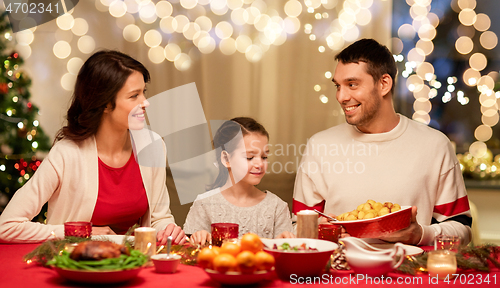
{"points": [[382, 155]]}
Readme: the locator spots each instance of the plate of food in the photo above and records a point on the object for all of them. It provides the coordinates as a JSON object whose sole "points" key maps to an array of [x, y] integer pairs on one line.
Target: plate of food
{"points": [[374, 219], [118, 239], [238, 278], [99, 262]]}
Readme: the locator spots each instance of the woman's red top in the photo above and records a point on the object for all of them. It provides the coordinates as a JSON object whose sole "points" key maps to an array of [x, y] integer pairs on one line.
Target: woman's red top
{"points": [[122, 199]]}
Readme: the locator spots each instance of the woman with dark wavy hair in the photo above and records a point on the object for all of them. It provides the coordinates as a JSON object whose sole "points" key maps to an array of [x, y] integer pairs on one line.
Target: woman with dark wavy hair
{"points": [[91, 173]]}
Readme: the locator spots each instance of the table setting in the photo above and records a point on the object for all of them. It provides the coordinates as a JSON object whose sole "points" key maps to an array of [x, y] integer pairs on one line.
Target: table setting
{"points": [[317, 259]]}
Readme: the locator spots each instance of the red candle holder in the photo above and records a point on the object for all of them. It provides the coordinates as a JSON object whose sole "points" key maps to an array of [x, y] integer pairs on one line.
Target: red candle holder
{"points": [[329, 232], [80, 229], [223, 231]]}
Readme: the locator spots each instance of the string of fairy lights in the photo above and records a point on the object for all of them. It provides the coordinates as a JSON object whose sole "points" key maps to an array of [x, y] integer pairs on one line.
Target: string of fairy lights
{"points": [[174, 30], [420, 75], [470, 24]]}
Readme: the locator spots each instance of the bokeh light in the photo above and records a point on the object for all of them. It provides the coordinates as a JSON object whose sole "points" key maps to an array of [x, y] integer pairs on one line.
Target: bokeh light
{"points": [[62, 49], [483, 133], [68, 81], [86, 44], [488, 40], [132, 33], [65, 22], [478, 61], [80, 27], [464, 45], [156, 55], [74, 65], [152, 38], [483, 22]]}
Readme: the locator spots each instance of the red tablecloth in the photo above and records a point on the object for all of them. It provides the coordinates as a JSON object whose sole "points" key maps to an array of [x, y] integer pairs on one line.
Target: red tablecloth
{"points": [[15, 273]]}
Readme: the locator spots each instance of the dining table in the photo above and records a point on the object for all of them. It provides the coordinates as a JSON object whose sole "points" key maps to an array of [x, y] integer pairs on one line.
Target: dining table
{"points": [[17, 273]]}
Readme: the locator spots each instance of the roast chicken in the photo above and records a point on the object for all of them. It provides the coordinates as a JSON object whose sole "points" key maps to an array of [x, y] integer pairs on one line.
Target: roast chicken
{"points": [[98, 250]]}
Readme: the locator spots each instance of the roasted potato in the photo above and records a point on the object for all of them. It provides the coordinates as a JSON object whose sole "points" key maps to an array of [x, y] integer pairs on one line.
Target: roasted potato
{"points": [[368, 210]]}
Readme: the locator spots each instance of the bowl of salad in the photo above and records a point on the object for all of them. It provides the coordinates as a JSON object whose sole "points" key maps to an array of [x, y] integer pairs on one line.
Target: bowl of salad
{"points": [[299, 257]]}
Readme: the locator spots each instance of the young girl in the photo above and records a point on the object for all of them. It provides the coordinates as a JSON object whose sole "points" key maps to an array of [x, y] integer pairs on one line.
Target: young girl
{"points": [[234, 198], [91, 174]]}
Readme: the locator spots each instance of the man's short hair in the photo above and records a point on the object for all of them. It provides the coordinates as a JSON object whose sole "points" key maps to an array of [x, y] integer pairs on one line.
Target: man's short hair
{"points": [[378, 58]]}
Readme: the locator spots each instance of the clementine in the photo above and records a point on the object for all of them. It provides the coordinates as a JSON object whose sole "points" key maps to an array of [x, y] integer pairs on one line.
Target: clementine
{"points": [[246, 262], [251, 242], [264, 260], [206, 256], [230, 248], [224, 262]]}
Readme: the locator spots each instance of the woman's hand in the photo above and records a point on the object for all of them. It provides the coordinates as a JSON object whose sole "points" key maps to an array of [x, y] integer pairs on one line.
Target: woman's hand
{"points": [[103, 230], [178, 235], [286, 234], [201, 237]]}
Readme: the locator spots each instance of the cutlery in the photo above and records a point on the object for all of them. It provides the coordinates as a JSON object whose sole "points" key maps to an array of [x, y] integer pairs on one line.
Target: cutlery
{"points": [[326, 216], [169, 245]]}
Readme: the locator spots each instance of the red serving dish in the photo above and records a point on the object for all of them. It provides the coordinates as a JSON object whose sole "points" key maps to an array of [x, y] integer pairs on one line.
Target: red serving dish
{"points": [[378, 226]]}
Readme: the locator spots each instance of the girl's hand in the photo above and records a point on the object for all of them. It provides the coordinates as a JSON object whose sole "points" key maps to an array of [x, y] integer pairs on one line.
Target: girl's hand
{"points": [[103, 230], [286, 234], [178, 235], [201, 237]]}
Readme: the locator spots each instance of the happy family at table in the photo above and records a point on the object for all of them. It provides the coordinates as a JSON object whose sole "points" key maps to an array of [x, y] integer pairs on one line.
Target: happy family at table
{"points": [[91, 172]]}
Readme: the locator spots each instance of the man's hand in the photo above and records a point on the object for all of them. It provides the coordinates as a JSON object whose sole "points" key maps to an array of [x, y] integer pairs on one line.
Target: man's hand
{"points": [[410, 235], [178, 235], [324, 220]]}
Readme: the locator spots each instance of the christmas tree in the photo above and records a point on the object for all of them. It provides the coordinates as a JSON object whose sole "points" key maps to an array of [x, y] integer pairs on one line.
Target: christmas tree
{"points": [[20, 134]]}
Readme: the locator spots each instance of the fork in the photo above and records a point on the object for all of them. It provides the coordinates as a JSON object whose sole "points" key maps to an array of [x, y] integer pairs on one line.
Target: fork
{"points": [[326, 216]]}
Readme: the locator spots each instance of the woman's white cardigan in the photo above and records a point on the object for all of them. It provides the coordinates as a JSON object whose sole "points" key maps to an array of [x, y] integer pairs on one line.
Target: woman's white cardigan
{"points": [[68, 180]]}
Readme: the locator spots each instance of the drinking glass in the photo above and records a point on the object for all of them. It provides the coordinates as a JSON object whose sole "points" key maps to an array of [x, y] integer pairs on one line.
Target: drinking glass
{"points": [[330, 232], [223, 231], [447, 242], [81, 229]]}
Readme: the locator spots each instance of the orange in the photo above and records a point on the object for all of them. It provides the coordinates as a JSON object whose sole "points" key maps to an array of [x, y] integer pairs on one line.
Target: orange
{"points": [[264, 260], [224, 262], [246, 262], [230, 248], [206, 256], [251, 242], [216, 249]]}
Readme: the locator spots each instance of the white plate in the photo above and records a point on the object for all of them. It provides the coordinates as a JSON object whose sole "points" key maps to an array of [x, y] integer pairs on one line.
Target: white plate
{"points": [[409, 249], [118, 239]]}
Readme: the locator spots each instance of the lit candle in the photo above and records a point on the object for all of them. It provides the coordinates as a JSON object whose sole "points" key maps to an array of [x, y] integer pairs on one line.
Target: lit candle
{"points": [[145, 240], [441, 263], [307, 224]]}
